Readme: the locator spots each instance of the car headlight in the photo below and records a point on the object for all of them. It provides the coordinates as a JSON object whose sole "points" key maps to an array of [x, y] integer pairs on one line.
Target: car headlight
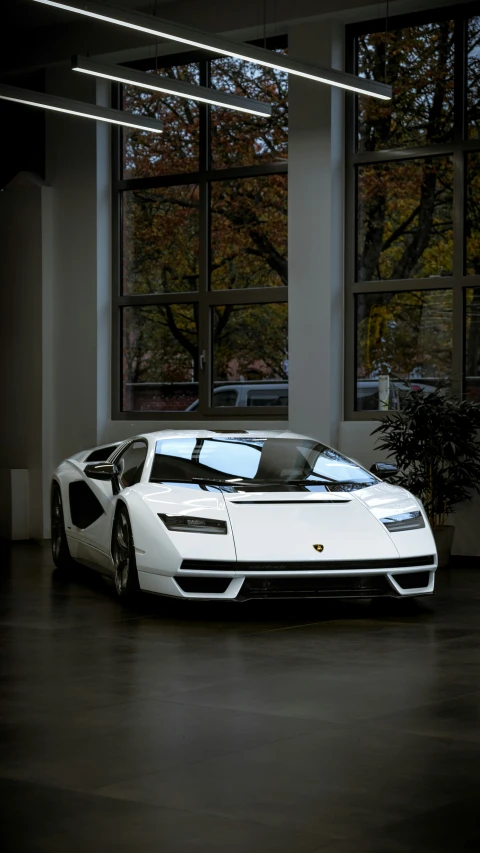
{"points": [[406, 521], [193, 524]]}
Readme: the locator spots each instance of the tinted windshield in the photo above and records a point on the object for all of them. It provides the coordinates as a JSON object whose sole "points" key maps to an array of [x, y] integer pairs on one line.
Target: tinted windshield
{"points": [[258, 460]]}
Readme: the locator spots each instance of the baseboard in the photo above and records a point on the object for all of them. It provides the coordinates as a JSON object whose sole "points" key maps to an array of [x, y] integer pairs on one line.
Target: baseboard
{"points": [[460, 561]]}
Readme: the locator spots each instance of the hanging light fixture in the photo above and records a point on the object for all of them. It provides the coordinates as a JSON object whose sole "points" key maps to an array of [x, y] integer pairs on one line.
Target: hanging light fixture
{"points": [[79, 108], [151, 25], [155, 83]]}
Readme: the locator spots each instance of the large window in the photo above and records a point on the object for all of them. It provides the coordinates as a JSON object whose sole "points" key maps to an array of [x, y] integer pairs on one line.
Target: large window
{"points": [[201, 272], [413, 257]]}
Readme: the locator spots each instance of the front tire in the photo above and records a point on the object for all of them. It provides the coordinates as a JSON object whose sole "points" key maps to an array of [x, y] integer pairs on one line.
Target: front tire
{"points": [[60, 551], [123, 554]]}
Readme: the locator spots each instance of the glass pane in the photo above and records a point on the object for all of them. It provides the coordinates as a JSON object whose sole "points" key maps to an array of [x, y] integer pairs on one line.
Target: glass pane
{"points": [[160, 240], [176, 150], [473, 78], [472, 225], [404, 219], [250, 354], [249, 233], [239, 139], [420, 70], [472, 344], [406, 335], [262, 460], [159, 358]]}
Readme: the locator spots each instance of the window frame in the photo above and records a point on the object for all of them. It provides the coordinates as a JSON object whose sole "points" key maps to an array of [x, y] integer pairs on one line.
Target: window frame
{"points": [[458, 149], [204, 297]]}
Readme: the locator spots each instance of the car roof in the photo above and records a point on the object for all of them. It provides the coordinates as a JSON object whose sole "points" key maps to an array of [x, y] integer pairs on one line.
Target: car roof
{"points": [[215, 433]]}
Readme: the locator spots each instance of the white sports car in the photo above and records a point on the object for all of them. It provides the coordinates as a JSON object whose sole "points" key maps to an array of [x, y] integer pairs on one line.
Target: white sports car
{"points": [[238, 515]]}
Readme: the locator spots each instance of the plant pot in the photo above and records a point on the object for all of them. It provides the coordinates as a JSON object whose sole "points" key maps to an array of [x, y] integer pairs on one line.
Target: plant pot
{"points": [[444, 540]]}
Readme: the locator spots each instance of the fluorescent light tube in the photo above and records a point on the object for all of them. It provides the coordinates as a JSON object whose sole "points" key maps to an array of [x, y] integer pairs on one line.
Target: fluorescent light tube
{"points": [[79, 108], [151, 25], [120, 74]]}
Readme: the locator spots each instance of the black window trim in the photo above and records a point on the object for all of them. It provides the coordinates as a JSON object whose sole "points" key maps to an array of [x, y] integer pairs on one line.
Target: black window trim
{"points": [[460, 146], [204, 297]]}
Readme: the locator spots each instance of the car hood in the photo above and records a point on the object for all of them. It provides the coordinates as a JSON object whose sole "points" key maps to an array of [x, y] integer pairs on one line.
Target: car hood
{"points": [[276, 526]]}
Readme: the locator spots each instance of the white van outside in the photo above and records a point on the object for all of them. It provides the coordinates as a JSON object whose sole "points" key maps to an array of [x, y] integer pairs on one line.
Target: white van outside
{"points": [[249, 394]]}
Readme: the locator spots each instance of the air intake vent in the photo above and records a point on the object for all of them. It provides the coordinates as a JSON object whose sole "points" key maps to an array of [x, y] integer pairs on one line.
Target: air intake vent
{"points": [[302, 502], [413, 580], [317, 587], [306, 566], [205, 585]]}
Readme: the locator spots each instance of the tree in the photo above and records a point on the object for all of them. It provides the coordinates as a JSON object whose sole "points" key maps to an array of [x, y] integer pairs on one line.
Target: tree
{"points": [[405, 209], [405, 334], [473, 77], [248, 229]]}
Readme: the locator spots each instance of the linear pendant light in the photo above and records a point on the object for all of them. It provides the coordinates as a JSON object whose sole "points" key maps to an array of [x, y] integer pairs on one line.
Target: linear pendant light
{"points": [[120, 74], [159, 28], [78, 108]]}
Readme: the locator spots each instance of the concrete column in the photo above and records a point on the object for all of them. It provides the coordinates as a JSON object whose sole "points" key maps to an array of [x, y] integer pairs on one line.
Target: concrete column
{"points": [[71, 172], [23, 250], [316, 228]]}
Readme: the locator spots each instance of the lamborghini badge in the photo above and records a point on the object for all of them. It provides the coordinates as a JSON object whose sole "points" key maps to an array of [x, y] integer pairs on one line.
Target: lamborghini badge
{"points": [[318, 548]]}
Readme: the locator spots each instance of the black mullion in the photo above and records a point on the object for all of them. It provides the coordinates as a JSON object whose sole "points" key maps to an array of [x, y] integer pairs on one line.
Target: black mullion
{"points": [[350, 226], [388, 154], [458, 340], [159, 180], [209, 174], [351, 254], [403, 284], [279, 168], [115, 314], [471, 280], [458, 269], [247, 296], [203, 321], [132, 300], [393, 154], [460, 124], [271, 413], [460, 79]]}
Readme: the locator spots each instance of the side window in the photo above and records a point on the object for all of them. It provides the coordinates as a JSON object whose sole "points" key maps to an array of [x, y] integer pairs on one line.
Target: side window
{"points": [[225, 398], [131, 463], [267, 398]]}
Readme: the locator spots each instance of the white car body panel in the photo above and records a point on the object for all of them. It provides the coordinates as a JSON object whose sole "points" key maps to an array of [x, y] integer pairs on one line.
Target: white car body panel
{"points": [[289, 531], [278, 527]]}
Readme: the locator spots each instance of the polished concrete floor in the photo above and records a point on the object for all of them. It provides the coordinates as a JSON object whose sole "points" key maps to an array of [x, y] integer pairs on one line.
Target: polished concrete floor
{"points": [[281, 728]]}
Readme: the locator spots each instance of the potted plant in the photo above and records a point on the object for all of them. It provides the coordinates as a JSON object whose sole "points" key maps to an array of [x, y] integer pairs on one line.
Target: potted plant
{"points": [[435, 441]]}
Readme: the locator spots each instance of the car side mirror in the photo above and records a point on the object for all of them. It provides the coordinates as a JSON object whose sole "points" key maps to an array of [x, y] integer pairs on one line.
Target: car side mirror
{"points": [[103, 471], [383, 470]]}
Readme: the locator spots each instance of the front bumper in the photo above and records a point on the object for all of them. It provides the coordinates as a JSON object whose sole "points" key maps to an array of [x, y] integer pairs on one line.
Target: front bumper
{"points": [[358, 579]]}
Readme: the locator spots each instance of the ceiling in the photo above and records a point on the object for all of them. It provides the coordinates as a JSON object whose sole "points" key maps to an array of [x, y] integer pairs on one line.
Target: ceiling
{"points": [[41, 36], [25, 14]]}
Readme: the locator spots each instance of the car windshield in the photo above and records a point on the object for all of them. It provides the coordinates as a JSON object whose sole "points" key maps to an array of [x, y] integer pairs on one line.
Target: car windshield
{"points": [[253, 460]]}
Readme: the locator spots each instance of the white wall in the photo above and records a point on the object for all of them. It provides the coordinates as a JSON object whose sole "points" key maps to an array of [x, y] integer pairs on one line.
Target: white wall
{"points": [[71, 145]]}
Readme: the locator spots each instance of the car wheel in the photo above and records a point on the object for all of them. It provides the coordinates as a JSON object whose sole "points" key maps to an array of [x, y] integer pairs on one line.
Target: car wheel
{"points": [[123, 553], [60, 551]]}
